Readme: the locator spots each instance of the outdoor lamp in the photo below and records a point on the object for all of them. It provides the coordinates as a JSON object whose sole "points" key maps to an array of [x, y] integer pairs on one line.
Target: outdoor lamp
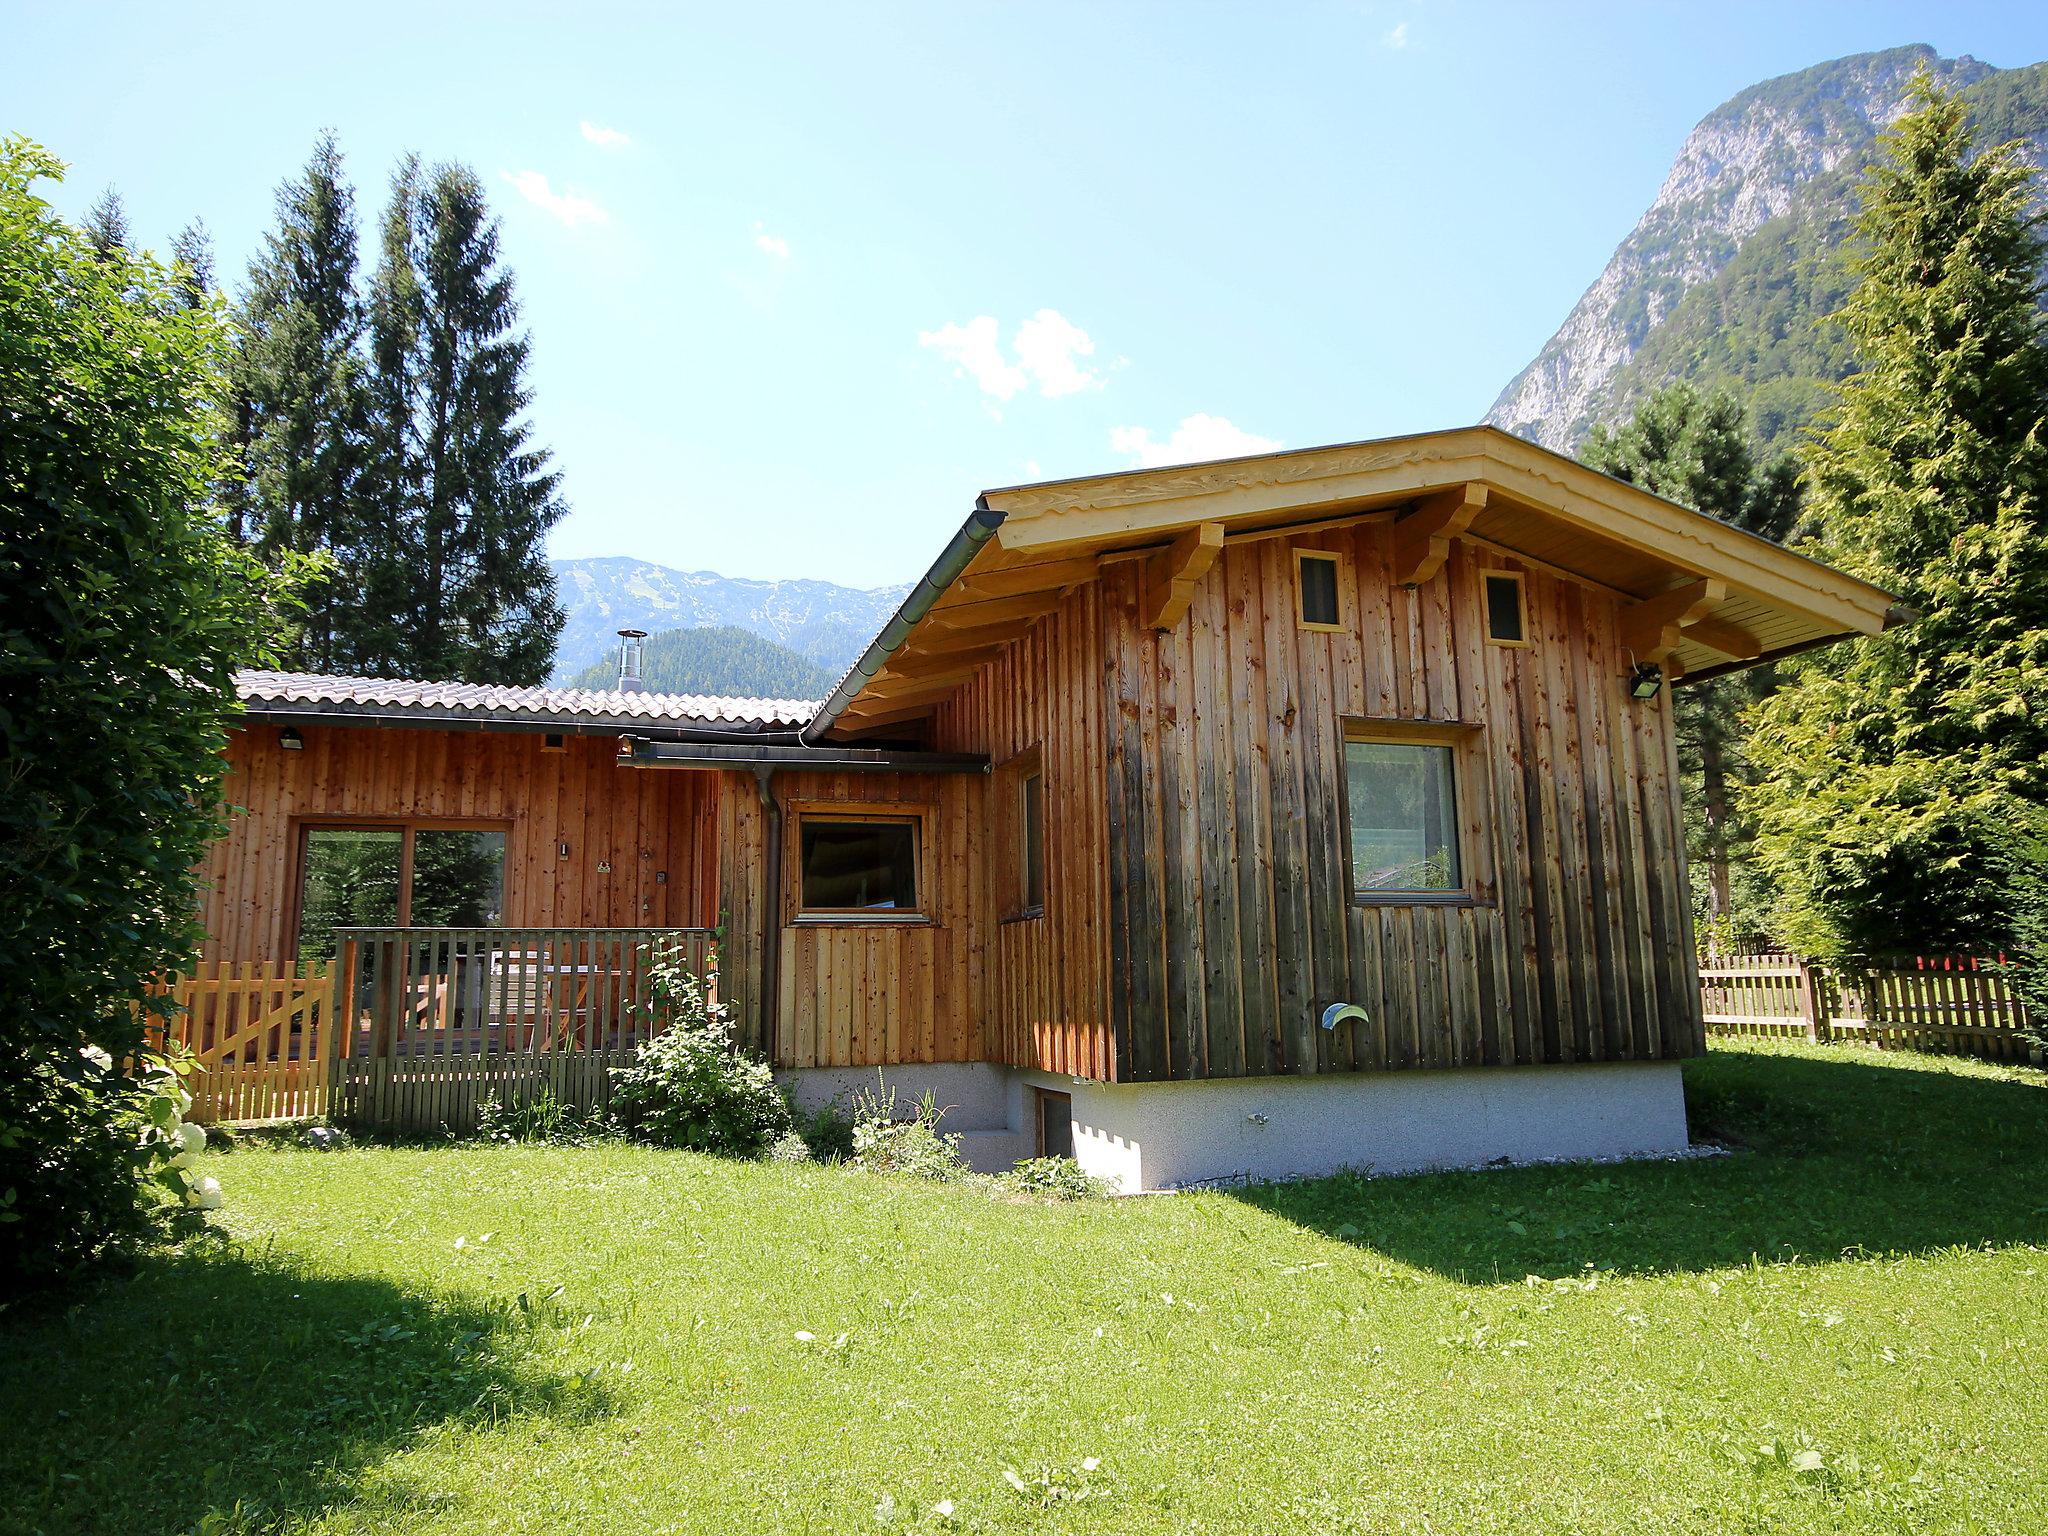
{"points": [[1644, 682], [290, 739]]}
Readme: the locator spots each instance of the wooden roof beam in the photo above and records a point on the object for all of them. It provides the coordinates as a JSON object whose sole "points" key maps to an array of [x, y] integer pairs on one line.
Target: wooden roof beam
{"points": [[1730, 640], [1016, 580], [1172, 574], [1652, 629], [993, 613], [925, 662], [1422, 539]]}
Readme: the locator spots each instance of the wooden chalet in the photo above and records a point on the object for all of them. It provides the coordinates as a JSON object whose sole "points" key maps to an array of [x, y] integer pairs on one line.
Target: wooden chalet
{"points": [[1260, 816]]}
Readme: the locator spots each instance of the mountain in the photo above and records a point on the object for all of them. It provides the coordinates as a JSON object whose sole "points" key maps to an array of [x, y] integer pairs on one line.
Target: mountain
{"points": [[719, 659], [818, 620], [1727, 279]]}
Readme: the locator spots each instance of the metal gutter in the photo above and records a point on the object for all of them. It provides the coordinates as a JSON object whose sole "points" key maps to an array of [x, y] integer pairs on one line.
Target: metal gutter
{"points": [[642, 753], [666, 730], [980, 526]]}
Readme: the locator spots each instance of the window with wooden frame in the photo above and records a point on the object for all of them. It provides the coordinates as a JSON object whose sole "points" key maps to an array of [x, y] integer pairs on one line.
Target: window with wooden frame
{"points": [[1507, 608], [858, 863], [1020, 842], [397, 874], [1318, 590], [1403, 833]]}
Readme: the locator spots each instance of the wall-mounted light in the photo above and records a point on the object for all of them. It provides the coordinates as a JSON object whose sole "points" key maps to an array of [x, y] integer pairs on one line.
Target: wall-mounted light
{"points": [[1646, 681], [564, 850], [290, 739]]}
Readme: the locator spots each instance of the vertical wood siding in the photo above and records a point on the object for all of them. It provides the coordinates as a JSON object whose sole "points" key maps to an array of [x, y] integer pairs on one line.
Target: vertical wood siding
{"points": [[642, 823], [1047, 993], [1230, 919], [861, 994]]}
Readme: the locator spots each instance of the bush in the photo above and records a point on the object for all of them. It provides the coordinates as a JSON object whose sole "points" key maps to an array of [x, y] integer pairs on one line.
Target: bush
{"points": [[1051, 1178], [540, 1117], [125, 609], [828, 1132], [887, 1141], [690, 1087]]}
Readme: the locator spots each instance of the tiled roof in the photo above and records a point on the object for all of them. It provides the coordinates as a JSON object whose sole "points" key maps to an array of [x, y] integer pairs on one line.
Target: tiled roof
{"points": [[311, 693]]}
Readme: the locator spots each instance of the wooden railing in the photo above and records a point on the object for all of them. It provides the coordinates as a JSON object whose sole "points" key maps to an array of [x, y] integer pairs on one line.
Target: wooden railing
{"points": [[442, 1019], [1926, 1003], [264, 1038]]}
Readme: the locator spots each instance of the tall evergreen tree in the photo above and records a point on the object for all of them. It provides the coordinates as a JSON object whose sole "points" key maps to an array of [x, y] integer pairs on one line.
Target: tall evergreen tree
{"points": [[1903, 778], [106, 226], [301, 401], [1696, 450], [456, 574], [192, 265]]}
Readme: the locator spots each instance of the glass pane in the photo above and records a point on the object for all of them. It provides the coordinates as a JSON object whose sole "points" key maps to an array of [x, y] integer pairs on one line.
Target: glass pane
{"points": [[458, 879], [1404, 817], [351, 879], [1034, 841], [1318, 590], [859, 865], [1503, 608]]}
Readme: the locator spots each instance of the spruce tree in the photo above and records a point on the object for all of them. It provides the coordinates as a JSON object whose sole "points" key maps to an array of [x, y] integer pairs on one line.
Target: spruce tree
{"points": [[106, 226], [300, 396], [456, 572], [192, 265], [1903, 778], [1696, 450]]}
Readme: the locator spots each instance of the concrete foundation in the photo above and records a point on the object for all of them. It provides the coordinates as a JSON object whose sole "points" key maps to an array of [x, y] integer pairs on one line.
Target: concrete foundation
{"points": [[1149, 1136]]}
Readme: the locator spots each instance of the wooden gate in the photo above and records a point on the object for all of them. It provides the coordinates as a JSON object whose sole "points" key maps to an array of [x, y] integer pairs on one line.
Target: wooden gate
{"points": [[264, 1038]]}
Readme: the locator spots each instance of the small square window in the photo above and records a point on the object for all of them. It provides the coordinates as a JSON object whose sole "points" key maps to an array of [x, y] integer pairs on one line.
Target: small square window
{"points": [[1402, 809], [865, 865], [1506, 616], [1316, 583], [554, 741]]}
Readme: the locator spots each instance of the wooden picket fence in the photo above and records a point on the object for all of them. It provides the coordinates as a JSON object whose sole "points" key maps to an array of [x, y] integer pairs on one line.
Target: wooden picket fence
{"points": [[411, 1030], [1960, 1005], [264, 1038]]}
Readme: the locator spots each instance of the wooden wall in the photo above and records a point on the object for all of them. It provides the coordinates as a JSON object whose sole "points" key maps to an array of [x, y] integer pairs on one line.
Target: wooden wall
{"points": [[1231, 922], [861, 993], [1048, 980], [641, 823]]}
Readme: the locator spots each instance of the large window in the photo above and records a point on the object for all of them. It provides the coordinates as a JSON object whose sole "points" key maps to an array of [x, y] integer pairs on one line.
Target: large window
{"points": [[858, 864], [1401, 805], [395, 876]]}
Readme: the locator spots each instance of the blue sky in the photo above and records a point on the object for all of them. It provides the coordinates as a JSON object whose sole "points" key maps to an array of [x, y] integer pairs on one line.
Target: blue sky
{"points": [[802, 280]]}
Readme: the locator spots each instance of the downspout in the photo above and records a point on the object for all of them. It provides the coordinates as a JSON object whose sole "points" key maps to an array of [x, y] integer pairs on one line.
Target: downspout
{"points": [[771, 916], [980, 526]]}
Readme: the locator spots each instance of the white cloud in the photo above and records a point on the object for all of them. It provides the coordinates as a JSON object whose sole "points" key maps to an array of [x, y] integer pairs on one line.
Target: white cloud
{"points": [[1198, 438], [603, 137], [571, 209], [773, 245], [1048, 350], [1047, 345], [1396, 36], [976, 354]]}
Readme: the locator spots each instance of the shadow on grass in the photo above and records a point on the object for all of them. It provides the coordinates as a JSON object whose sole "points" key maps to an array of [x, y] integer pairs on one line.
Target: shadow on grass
{"points": [[1846, 1155], [214, 1392]]}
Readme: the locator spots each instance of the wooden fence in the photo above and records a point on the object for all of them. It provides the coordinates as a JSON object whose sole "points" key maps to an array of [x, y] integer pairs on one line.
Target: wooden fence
{"points": [[264, 1038], [410, 1030], [1922, 1003]]}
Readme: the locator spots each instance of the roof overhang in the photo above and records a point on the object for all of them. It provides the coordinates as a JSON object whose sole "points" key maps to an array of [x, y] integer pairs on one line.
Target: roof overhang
{"points": [[1703, 597]]}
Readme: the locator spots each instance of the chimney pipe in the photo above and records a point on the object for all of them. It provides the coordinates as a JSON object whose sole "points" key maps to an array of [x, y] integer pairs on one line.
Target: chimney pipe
{"points": [[632, 647]]}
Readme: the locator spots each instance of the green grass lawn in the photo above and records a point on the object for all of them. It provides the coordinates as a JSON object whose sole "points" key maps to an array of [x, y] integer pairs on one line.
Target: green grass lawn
{"points": [[1842, 1328]]}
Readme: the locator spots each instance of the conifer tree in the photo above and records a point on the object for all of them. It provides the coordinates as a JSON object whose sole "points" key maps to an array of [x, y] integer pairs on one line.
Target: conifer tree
{"points": [[1903, 778], [192, 265], [106, 226], [299, 383], [1696, 450], [456, 572]]}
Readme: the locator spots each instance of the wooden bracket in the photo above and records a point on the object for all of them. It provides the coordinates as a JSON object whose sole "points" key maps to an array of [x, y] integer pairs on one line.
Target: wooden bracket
{"points": [[1651, 628], [1422, 539], [1172, 574], [1729, 639]]}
